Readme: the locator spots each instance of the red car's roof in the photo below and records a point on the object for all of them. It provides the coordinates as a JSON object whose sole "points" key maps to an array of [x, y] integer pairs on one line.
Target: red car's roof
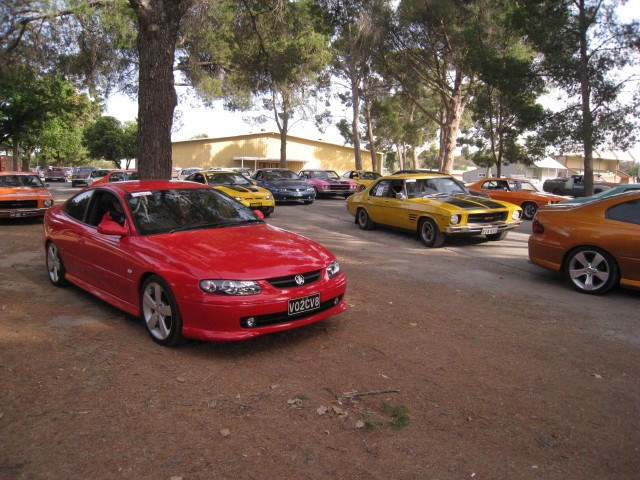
{"points": [[142, 185]]}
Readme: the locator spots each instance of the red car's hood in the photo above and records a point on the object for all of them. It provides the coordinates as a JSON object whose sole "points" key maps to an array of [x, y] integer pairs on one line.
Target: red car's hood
{"points": [[249, 252]]}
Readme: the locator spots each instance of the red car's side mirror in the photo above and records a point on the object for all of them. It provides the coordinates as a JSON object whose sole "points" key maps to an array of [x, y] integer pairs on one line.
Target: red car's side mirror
{"points": [[259, 214], [109, 227]]}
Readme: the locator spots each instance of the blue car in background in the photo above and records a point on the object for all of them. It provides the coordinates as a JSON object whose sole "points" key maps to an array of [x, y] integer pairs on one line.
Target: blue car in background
{"points": [[285, 185], [627, 187]]}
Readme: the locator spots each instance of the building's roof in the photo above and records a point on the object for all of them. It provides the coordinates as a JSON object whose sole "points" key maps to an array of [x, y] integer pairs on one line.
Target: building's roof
{"points": [[274, 135], [549, 163], [619, 155]]}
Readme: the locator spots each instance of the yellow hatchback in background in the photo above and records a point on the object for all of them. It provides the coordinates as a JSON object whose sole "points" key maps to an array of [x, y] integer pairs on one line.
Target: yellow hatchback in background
{"points": [[362, 177], [435, 206], [239, 187]]}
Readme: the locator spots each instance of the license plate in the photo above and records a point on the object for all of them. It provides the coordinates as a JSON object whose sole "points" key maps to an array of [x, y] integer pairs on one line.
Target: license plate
{"points": [[254, 205], [489, 230], [304, 304]]}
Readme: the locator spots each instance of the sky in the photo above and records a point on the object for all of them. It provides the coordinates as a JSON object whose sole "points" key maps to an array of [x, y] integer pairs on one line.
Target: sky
{"points": [[194, 119]]}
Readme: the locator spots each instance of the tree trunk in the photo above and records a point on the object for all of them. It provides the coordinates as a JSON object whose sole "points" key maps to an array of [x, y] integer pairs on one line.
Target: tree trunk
{"points": [[585, 90], [454, 107], [355, 124], [372, 147], [15, 163], [158, 22], [26, 159], [283, 139]]}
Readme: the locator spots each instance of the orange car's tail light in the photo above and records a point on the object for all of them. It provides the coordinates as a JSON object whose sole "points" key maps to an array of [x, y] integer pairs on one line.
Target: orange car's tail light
{"points": [[537, 227]]}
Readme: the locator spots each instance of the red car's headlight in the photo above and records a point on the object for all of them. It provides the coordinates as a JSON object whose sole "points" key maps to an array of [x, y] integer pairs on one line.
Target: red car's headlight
{"points": [[231, 287], [333, 269]]}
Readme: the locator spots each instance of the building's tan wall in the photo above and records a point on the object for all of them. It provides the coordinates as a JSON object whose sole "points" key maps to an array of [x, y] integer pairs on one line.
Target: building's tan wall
{"points": [[301, 153], [600, 165], [216, 153]]}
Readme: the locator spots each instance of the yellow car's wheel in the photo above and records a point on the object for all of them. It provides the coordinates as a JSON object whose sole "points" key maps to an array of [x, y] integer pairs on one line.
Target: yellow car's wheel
{"points": [[363, 220], [430, 234]]}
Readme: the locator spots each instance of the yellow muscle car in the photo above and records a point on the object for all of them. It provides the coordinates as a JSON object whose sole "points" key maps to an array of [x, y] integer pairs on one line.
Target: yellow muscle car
{"points": [[435, 206], [239, 187]]}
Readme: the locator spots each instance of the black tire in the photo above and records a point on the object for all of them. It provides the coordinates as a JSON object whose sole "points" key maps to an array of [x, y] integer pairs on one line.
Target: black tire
{"points": [[55, 267], [308, 202], [591, 270], [160, 313], [430, 234], [495, 237], [363, 220], [529, 210]]}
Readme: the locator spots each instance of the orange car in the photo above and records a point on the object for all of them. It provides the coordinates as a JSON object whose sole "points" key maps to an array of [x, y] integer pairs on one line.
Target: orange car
{"points": [[516, 190], [596, 244], [118, 176], [22, 194]]}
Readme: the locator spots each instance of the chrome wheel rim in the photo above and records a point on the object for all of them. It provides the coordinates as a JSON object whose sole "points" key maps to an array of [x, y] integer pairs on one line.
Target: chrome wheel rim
{"points": [[589, 270], [362, 218], [54, 265], [530, 211], [157, 311], [427, 232]]}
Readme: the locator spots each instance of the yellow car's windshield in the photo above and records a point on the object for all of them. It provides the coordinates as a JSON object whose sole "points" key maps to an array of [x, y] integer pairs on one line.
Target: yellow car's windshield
{"points": [[226, 178]]}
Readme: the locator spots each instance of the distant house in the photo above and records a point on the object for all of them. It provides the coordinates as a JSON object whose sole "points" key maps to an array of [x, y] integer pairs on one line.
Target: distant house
{"points": [[606, 166], [262, 150], [7, 161], [538, 172]]}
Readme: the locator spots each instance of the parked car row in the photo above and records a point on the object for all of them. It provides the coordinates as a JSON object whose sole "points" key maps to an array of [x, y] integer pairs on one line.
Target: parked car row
{"points": [[224, 275]]}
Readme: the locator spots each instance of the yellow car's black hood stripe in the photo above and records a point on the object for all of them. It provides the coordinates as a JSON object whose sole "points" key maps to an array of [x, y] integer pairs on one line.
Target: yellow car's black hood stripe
{"points": [[471, 202], [239, 188]]}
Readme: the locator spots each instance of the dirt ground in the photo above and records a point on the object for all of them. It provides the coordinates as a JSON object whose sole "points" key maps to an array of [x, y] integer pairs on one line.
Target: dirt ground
{"points": [[416, 380]]}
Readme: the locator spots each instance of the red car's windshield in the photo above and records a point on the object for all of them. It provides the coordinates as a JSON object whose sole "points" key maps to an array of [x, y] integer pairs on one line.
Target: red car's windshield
{"points": [[164, 211]]}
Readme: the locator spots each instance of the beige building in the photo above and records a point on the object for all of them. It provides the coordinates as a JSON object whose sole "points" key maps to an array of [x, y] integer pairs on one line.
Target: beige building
{"points": [[606, 165], [262, 150]]}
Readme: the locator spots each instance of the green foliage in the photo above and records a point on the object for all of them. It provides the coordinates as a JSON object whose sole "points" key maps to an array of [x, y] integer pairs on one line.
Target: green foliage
{"points": [[43, 113], [257, 55], [110, 140], [584, 52]]}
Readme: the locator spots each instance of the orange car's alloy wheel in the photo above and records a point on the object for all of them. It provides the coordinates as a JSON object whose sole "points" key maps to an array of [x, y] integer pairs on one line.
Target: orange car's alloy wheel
{"points": [[591, 270]]}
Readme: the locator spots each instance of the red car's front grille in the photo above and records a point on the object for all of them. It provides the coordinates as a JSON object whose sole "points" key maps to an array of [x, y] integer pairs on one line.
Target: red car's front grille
{"points": [[282, 317], [290, 280]]}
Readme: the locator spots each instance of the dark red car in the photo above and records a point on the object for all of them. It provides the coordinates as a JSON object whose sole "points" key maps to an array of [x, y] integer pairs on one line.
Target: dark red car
{"points": [[190, 260]]}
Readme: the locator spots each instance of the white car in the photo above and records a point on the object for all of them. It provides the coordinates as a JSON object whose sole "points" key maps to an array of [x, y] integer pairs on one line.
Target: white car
{"points": [[95, 175], [188, 171]]}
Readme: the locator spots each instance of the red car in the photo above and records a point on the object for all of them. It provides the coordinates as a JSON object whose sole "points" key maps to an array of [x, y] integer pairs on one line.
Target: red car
{"points": [[327, 183], [190, 261]]}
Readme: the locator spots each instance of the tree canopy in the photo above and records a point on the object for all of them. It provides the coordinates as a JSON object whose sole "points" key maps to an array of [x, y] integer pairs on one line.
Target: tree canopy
{"points": [[432, 60]]}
